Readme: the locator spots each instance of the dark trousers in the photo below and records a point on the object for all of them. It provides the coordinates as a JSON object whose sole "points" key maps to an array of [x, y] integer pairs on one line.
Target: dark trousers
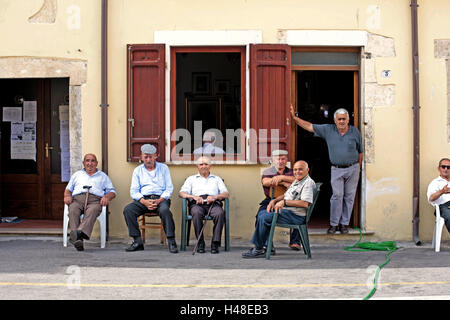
{"points": [[445, 213], [135, 209], [294, 235], [198, 212]]}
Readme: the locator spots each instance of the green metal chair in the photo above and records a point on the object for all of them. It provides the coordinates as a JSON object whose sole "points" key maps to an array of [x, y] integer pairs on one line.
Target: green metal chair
{"points": [[186, 219], [302, 228]]}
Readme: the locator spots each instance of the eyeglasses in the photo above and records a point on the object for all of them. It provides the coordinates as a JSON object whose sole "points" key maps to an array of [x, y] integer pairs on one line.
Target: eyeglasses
{"points": [[445, 167]]}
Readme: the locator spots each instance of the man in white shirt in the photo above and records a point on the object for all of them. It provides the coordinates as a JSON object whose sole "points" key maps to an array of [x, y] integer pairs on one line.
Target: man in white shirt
{"points": [[209, 147], [439, 191], [88, 189], [204, 190]]}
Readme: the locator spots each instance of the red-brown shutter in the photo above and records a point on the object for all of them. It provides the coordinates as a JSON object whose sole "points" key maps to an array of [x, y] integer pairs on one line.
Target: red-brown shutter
{"points": [[270, 97], [146, 96]]}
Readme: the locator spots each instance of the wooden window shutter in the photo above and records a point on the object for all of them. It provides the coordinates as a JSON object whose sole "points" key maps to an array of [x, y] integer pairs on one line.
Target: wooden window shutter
{"points": [[270, 98], [145, 99]]}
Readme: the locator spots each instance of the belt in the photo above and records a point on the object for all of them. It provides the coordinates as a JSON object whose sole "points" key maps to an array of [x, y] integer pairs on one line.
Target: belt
{"points": [[152, 196], [343, 165]]}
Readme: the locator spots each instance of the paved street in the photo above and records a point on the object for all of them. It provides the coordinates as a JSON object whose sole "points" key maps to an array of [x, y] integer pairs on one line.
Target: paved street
{"points": [[34, 268]]}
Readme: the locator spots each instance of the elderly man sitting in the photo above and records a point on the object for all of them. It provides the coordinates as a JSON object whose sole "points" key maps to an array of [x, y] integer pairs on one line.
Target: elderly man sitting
{"points": [[291, 208], [87, 191], [204, 190]]}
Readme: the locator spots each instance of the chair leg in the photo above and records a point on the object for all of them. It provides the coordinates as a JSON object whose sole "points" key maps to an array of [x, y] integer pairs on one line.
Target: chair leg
{"points": [[188, 232], [270, 238], [102, 221], [163, 236], [303, 229], [65, 224], [438, 234]]}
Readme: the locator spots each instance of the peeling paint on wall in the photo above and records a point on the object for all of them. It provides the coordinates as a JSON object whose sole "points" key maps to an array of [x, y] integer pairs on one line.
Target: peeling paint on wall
{"points": [[381, 187], [47, 13]]}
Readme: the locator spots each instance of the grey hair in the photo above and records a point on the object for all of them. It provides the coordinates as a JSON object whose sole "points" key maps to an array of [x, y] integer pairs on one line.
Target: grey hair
{"points": [[340, 111]]}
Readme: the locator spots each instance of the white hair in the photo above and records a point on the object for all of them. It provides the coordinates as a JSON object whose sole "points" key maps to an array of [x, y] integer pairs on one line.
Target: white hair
{"points": [[203, 159], [341, 111]]}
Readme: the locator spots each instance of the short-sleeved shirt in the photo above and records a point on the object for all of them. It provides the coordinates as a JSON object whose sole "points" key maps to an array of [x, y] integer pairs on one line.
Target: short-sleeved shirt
{"points": [[197, 185], [272, 172], [300, 190], [436, 185], [342, 149], [99, 182]]}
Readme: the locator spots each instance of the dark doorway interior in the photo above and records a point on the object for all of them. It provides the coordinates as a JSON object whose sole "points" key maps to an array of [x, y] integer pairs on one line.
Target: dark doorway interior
{"points": [[30, 167], [319, 94], [208, 89]]}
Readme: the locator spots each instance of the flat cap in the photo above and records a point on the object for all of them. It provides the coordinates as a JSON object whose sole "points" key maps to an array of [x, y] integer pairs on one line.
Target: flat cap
{"points": [[279, 153], [148, 149]]}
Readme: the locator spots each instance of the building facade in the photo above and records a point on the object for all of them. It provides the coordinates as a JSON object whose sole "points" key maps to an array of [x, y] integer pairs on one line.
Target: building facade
{"points": [[175, 69]]}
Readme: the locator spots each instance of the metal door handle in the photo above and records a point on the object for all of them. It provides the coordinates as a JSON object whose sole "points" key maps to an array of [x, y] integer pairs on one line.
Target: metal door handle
{"points": [[46, 149]]}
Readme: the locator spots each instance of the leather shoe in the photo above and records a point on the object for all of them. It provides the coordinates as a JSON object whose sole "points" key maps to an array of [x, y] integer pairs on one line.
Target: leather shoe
{"points": [[76, 239], [214, 248], [173, 246], [135, 247], [343, 229], [254, 253], [332, 230], [295, 246], [201, 247]]}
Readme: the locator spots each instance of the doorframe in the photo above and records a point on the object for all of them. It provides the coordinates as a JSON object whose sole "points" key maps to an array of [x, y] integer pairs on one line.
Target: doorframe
{"points": [[357, 209]]}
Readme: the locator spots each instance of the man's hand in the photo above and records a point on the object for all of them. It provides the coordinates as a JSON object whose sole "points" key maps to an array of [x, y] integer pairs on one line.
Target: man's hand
{"points": [[67, 199], [276, 180], [198, 200], [292, 111], [445, 189], [271, 205], [279, 206]]}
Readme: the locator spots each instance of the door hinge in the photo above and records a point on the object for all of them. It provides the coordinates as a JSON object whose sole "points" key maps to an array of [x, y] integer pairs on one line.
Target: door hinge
{"points": [[132, 122], [287, 121]]}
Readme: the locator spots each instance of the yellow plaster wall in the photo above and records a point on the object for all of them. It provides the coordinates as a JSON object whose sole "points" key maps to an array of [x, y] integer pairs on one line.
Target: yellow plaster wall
{"points": [[389, 175]]}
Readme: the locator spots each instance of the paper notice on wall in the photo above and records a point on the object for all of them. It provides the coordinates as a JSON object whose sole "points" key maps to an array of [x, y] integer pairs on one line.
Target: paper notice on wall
{"points": [[23, 140], [30, 111], [63, 112], [64, 142], [12, 114]]}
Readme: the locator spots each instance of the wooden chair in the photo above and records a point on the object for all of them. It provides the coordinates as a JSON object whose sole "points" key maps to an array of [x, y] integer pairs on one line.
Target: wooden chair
{"points": [[146, 224], [302, 228], [186, 219]]}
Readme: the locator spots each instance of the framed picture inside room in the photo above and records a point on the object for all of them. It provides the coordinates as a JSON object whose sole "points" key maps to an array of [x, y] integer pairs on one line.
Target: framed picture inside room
{"points": [[221, 87], [201, 83]]}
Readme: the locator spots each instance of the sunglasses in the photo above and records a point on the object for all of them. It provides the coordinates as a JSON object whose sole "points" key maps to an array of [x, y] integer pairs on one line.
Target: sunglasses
{"points": [[445, 167]]}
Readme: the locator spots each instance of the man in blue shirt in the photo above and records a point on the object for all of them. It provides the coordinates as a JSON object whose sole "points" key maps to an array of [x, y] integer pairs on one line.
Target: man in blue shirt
{"points": [[151, 188], [204, 190], [99, 193], [346, 154]]}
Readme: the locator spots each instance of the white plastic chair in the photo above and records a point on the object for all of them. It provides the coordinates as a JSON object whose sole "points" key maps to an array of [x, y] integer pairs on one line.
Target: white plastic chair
{"points": [[436, 244], [101, 219]]}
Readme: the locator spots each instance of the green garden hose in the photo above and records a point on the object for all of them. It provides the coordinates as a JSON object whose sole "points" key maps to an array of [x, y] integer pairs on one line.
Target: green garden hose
{"points": [[389, 246]]}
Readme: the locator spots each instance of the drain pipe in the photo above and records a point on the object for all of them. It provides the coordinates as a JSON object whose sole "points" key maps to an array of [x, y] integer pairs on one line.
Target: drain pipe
{"points": [[104, 95], [416, 122]]}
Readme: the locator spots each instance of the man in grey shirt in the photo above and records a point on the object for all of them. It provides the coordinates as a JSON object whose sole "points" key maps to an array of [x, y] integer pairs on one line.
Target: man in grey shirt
{"points": [[345, 151]]}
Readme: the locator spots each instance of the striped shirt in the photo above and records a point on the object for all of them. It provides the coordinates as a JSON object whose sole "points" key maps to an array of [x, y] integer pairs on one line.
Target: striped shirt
{"points": [[300, 190]]}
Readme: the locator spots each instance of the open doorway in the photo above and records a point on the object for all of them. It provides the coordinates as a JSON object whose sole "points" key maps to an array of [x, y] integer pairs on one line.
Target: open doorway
{"points": [[319, 93], [31, 167]]}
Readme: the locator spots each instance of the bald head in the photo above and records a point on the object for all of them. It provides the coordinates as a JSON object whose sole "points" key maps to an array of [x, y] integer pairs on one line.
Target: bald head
{"points": [[300, 169]]}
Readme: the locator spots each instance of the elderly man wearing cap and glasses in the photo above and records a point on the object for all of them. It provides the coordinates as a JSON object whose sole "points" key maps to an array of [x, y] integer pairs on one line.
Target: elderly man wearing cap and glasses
{"points": [[278, 175], [345, 153], [438, 191], [204, 190], [151, 188]]}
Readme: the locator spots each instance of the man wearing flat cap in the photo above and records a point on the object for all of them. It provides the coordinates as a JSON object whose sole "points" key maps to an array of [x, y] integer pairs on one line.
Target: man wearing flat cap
{"points": [[151, 188], [279, 175]]}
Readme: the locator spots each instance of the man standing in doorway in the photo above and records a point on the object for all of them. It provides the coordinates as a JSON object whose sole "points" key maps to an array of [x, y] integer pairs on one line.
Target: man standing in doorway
{"points": [[346, 154], [439, 191]]}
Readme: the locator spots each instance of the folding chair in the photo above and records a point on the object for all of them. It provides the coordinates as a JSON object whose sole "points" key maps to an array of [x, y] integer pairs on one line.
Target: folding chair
{"points": [[302, 228], [186, 218], [101, 219]]}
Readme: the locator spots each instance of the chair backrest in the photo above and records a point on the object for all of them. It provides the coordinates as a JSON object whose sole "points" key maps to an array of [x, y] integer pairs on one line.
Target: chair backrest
{"points": [[276, 191], [312, 205]]}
